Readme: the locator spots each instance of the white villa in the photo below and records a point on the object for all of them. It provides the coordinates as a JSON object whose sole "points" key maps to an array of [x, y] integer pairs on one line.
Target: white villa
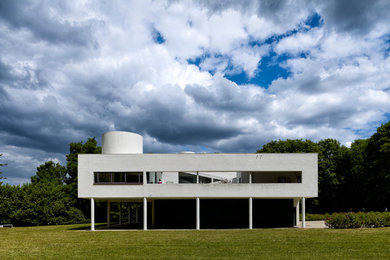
{"points": [[198, 190]]}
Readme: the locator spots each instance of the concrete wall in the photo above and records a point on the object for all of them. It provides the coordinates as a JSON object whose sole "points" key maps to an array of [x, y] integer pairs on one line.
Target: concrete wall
{"points": [[119, 142], [306, 163]]}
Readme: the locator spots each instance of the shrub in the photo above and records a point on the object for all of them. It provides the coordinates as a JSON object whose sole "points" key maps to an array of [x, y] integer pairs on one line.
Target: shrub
{"points": [[387, 219], [315, 217], [37, 204], [358, 220]]}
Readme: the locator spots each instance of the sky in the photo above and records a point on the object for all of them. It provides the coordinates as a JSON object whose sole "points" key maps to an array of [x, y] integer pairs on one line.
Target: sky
{"points": [[202, 76]]}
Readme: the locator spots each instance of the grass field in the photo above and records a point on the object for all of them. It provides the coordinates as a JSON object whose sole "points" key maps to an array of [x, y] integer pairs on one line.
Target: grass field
{"points": [[65, 242]]}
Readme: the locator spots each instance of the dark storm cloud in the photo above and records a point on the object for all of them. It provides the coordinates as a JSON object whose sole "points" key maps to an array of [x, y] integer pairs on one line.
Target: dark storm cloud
{"points": [[194, 132], [227, 97], [357, 16], [329, 117], [5, 72], [165, 115], [42, 125], [35, 16]]}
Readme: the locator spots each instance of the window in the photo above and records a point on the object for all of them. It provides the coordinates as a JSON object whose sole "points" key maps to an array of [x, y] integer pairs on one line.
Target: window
{"points": [[284, 179], [118, 178], [204, 179], [277, 177], [154, 177], [134, 177], [103, 177], [187, 177]]}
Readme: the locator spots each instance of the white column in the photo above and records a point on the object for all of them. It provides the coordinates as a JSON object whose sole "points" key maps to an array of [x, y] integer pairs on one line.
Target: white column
{"points": [[297, 214], [197, 213], [145, 214], [250, 214], [108, 213], [303, 213], [250, 178], [92, 214], [197, 177], [144, 179]]}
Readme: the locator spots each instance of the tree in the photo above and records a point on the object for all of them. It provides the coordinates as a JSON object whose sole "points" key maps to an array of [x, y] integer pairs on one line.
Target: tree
{"points": [[50, 172], [290, 146], [354, 190], [2, 177], [38, 203], [90, 146], [331, 167], [378, 168]]}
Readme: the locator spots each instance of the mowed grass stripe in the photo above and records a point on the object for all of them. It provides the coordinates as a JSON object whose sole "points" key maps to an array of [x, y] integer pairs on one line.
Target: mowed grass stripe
{"points": [[65, 242]]}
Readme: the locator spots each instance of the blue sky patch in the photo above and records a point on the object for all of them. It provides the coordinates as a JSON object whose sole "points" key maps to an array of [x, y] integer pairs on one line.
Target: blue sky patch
{"points": [[314, 20], [268, 71], [157, 37], [269, 68]]}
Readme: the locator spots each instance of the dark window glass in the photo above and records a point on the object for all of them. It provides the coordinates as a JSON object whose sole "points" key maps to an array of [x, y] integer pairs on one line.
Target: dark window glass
{"points": [[134, 177], [186, 177], [119, 177], [104, 177], [284, 179], [204, 179]]}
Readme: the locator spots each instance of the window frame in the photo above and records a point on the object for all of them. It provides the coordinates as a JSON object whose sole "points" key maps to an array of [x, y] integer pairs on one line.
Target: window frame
{"points": [[122, 176]]}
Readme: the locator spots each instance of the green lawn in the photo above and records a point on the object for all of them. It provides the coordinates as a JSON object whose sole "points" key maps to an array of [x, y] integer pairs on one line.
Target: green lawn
{"points": [[64, 242]]}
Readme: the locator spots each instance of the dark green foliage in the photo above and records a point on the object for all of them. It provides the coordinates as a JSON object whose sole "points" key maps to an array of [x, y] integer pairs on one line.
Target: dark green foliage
{"points": [[330, 163], [9, 201], [290, 146], [89, 147], [315, 217], [354, 187], [377, 154], [50, 172], [358, 220], [51, 198], [39, 203]]}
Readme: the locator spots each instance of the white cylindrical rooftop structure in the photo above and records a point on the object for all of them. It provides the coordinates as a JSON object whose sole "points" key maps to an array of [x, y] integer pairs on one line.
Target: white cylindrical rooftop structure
{"points": [[120, 142]]}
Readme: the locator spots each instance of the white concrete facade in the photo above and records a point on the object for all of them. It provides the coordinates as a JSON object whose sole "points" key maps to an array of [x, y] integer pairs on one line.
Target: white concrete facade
{"points": [[259, 173], [305, 163]]}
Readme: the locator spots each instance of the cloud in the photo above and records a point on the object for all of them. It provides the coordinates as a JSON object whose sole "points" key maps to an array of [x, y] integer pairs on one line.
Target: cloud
{"points": [[358, 17], [53, 25], [69, 71]]}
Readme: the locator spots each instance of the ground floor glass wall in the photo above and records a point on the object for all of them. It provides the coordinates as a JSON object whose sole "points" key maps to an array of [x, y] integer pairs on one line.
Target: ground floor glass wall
{"points": [[214, 213]]}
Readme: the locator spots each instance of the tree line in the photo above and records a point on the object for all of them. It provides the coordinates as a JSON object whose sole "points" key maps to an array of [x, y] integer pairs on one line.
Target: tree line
{"points": [[355, 178], [51, 196]]}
